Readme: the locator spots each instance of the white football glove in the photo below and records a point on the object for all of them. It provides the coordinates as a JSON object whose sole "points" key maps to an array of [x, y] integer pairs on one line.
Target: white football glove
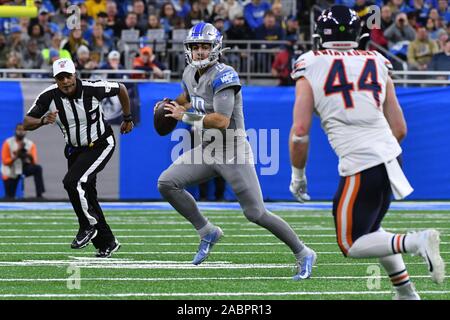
{"points": [[298, 186]]}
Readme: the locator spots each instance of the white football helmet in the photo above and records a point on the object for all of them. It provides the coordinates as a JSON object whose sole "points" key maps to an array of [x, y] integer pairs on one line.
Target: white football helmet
{"points": [[203, 33]]}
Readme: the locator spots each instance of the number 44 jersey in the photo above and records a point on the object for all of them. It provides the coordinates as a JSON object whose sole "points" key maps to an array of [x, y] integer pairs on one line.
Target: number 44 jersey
{"points": [[349, 90]]}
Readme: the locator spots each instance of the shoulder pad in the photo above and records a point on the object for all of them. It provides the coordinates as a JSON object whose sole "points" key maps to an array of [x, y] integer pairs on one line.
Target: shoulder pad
{"points": [[224, 78], [302, 65], [385, 62]]}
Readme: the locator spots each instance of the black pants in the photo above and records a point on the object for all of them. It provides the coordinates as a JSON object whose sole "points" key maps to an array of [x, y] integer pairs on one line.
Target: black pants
{"points": [[360, 204], [80, 183], [34, 170]]}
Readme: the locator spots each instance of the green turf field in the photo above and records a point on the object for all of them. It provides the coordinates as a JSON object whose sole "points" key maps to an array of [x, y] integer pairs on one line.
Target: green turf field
{"points": [[36, 261]]}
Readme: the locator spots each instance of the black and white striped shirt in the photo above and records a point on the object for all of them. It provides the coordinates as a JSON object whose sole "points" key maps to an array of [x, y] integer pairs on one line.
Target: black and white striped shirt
{"points": [[80, 117]]}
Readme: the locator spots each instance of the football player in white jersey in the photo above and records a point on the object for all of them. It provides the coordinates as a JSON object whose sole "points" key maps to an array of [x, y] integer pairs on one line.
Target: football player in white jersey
{"points": [[354, 96]]}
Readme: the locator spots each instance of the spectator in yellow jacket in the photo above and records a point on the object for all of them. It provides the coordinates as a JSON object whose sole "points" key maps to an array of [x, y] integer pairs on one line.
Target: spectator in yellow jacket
{"points": [[421, 50]]}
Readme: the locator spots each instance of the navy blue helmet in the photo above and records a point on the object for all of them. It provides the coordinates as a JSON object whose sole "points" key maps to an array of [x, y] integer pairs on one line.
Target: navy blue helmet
{"points": [[338, 27]]}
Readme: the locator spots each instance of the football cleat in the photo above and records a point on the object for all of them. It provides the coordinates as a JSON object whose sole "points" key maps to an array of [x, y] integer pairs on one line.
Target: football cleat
{"points": [[108, 251], [304, 266], [406, 292], [83, 237], [206, 244], [412, 296], [429, 251]]}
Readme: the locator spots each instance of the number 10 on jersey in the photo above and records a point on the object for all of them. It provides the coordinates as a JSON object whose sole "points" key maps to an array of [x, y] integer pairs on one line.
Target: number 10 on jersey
{"points": [[198, 104]]}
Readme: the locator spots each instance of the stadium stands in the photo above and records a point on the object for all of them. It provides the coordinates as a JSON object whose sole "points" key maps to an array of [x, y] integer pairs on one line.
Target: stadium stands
{"points": [[127, 36]]}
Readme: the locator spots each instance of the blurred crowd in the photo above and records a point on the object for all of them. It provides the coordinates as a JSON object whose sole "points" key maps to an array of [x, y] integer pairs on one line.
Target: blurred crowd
{"points": [[416, 31]]}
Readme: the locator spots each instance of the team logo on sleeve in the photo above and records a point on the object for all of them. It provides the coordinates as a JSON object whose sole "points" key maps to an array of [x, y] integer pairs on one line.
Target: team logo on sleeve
{"points": [[227, 77], [300, 64], [107, 87]]}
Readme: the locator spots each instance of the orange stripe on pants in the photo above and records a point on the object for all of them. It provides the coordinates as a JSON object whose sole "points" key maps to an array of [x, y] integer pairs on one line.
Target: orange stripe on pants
{"points": [[338, 215], [350, 209], [398, 243]]}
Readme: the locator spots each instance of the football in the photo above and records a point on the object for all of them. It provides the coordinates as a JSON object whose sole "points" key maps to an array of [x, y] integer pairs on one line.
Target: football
{"points": [[163, 125]]}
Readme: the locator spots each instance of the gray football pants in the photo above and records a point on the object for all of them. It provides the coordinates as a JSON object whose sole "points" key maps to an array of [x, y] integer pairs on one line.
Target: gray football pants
{"points": [[243, 180]]}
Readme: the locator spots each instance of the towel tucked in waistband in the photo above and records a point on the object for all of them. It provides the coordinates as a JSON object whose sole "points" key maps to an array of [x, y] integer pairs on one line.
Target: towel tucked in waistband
{"points": [[399, 184]]}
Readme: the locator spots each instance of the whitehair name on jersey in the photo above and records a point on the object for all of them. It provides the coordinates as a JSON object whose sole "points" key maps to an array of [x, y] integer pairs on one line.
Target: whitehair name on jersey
{"points": [[309, 58]]}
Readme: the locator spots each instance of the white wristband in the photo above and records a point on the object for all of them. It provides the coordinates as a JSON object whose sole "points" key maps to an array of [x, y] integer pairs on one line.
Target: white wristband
{"points": [[193, 119], [302, 139], [297, 174]]}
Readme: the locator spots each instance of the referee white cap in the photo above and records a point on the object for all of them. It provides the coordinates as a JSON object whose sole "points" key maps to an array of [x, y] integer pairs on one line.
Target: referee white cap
{"points": [[63, 65]]}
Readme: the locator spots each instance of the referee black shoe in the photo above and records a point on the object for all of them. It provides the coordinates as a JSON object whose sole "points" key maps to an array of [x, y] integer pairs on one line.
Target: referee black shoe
{"points": [[83, 237], [109, 250]]}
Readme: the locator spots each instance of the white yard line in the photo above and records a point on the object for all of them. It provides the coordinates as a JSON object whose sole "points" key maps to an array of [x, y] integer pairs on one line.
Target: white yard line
{"points": [[188, 278], [183, 244], [70, 231], [98, 263], [168, 236], [173, 216], [206, 294], [187, 229], [169, 252], [331, 235], [175, 222], [166, 244]]}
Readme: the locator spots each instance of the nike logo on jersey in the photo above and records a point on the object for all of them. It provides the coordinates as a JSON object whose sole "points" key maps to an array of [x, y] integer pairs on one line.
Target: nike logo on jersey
{"points": [[231, 160]]}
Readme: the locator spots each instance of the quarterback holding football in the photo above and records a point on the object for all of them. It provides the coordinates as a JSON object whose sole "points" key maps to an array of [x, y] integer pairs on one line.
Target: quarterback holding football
{"points": [[213, 91]]}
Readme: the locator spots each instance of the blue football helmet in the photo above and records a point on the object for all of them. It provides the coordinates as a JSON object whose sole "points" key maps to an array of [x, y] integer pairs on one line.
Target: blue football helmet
{"points": [[203, 33], [338, 27]]}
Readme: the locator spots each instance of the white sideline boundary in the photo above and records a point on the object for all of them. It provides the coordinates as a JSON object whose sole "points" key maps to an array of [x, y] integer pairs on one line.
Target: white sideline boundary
{"points": [[213, 206], [188, 279], [173, 252], [98, 263], [205, 294], [167, 244]]}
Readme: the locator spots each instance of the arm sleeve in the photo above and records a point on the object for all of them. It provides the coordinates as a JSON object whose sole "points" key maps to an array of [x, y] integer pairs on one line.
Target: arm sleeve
{"points": [[104, 89], [302, 66], [33, 153], [223, 102], [248, 14], [41, 105], [226, 79], [185, 90], [6, 154]]}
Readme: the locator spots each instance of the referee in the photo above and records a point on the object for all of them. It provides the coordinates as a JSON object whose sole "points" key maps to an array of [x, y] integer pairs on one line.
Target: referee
{"points": [[75, 105]]}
